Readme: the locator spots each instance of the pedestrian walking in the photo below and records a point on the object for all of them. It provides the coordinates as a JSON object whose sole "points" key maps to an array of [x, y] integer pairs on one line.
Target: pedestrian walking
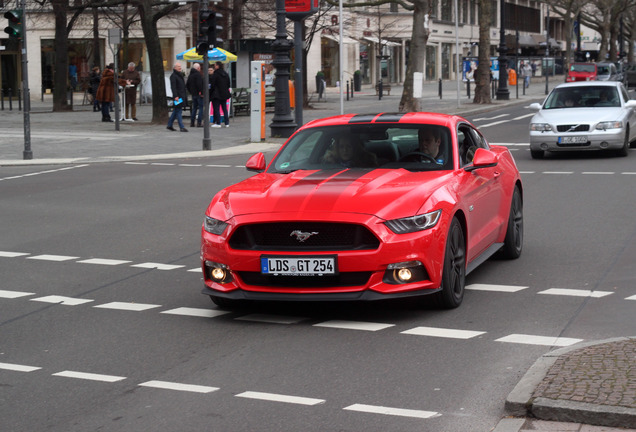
{"points": [[220, 93], [106, 91], [527, 74], [94, 80], [195, 88], [177, 84], [132, 77]]}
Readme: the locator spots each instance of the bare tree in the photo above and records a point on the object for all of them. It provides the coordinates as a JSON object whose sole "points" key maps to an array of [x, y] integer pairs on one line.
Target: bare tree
{"points": [[568, 10], [482, 75]]}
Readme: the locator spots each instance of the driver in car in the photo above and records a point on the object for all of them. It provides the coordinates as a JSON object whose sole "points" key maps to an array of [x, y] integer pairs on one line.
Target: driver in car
{"points": [[429, 139]]}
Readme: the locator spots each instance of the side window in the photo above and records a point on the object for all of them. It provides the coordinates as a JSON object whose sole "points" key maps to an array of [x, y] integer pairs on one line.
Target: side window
{"points": [[468, 141]]}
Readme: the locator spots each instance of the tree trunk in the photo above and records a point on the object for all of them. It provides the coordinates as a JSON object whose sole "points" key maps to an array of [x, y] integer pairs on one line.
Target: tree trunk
{"points": [[482, 75], [151, 35], [417, 53], [60, 74], [96, 45]]}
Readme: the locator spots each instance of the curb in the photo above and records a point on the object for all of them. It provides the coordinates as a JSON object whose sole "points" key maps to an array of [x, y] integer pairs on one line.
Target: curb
{"points": [[521, 403]]}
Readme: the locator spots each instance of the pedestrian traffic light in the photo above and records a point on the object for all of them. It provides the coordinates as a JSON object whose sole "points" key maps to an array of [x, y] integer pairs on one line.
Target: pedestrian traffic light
{"points": [[14, 29], [202, 48]]}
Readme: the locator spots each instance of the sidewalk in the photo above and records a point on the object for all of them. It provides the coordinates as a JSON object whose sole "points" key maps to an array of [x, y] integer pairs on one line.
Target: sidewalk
{"points": [[566, 390], [80, 136]]}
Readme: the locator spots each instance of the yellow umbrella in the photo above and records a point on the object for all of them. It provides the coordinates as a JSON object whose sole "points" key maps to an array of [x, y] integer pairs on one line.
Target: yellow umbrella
{"points": [[214, 55]]}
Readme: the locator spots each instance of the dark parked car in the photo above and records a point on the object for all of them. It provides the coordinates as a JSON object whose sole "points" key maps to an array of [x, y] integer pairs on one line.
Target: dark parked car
{"points": [[630, 74]]}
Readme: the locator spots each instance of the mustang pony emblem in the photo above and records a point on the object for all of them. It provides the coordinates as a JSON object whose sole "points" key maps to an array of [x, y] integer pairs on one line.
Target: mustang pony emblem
{"points": [[302, 236]]}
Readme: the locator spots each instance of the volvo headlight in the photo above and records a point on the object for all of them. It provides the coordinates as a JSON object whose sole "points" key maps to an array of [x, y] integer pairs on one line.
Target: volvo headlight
{"points": [[540, 127], [214, 226], [609, 125], [414, 223]]}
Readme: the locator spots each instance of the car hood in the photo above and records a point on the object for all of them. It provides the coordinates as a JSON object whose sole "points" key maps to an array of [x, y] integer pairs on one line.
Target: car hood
{"points": [[384, 193], [577, 115]]}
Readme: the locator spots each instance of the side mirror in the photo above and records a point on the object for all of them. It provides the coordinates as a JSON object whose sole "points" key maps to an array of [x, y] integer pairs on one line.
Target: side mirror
{"points": [[256, 163], [483, 159], [535, 106], [630, 103]]}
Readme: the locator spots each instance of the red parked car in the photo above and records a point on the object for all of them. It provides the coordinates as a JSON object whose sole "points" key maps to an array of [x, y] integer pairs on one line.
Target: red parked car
{"points": [[582, 72], [365, 207]]}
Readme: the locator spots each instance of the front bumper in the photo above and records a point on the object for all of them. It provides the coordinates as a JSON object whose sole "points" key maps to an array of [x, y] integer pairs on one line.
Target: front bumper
{"points": [[596, 140]]}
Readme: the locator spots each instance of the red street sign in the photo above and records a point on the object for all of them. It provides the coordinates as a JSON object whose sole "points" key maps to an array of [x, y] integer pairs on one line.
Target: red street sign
{"points": [[301, 8]]}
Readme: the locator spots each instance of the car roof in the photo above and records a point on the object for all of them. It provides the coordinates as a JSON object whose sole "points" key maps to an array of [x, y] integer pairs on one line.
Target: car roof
{"points": [[589, 84], [389, 118]]}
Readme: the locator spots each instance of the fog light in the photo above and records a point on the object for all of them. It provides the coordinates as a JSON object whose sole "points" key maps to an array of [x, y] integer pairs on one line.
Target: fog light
{"points": [[404, 274], [218, 272], [544, 146], [604, 144]]}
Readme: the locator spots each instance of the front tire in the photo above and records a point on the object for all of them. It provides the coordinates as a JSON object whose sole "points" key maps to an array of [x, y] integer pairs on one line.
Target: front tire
{"points": [[454, 272], [513, 243], [625, 149]]}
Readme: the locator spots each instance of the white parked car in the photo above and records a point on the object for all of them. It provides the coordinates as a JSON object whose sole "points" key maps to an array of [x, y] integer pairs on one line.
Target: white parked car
{"points": [[584, 115]]}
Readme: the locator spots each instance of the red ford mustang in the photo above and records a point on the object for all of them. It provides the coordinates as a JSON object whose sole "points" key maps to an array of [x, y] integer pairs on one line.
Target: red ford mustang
{"points": [[365, 207]]}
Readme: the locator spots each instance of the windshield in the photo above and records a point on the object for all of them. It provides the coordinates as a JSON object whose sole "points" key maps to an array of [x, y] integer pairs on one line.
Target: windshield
{"points": [[583, 68], [583, 97], [603, 70], [414, 147]]}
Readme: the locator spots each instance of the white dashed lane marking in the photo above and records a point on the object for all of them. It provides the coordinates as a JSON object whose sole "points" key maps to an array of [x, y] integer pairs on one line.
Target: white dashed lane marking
{"points": [[6, 254], [56, 258], [18, 367], [56, 299], [203, 313], [631, 297], [354, 325], [179, 387], [158, 266], [272, 319], [539, 340], [496, 288], [372, 409], [14, 294], [576, 292], [136, 307], [89, 376], [101, 261], [443, 332], [273, 397]]}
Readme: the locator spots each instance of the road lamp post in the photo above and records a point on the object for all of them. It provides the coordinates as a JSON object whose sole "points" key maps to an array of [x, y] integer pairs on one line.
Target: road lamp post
{"points": [[283, 124], [502, 90]]}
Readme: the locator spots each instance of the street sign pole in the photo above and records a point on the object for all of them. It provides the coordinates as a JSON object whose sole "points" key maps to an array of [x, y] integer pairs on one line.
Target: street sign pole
{"points": [[114, 39]]}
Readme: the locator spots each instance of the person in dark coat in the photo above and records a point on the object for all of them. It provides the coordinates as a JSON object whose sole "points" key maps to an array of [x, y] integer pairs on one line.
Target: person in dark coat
{"points": [[95, 78], [106, 91], [133, 78], [177, 84], [195, 88], [220, 93]]}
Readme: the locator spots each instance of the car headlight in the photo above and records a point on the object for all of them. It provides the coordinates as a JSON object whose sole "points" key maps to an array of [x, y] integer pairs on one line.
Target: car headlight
{"points": [[414, 223], [540, 127], [609, 125], [214, 226]]}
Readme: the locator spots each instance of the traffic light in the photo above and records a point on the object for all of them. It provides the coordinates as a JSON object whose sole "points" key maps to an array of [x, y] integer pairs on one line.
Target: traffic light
{"points": [[204, 24], [14, 29], [214, 29]]}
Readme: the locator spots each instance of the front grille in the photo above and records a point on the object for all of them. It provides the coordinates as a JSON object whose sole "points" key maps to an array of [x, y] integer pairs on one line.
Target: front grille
{"points": [[573, 128], [585, 144], [277, 236], [341, 280]]}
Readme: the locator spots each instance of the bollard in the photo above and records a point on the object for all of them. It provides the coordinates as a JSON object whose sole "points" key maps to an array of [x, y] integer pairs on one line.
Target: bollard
{"points": [[440, 88], [10, 99], [468, 88], [2, 99], [70, 96], [352, 90], [380, 90], [19, 100], [347, 90]]}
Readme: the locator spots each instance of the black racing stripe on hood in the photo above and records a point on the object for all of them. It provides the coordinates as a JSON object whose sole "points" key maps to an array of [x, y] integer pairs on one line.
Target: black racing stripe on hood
{"points": [[362, 118], [333, 174], [389, 118]]}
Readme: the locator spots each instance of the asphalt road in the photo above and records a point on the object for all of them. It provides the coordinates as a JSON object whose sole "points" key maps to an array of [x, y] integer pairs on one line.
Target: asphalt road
{"points": [[103, 327]]}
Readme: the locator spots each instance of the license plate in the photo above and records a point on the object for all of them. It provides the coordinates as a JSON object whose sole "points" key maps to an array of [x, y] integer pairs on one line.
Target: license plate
{"points": [[573, 140], [299, 265]]}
